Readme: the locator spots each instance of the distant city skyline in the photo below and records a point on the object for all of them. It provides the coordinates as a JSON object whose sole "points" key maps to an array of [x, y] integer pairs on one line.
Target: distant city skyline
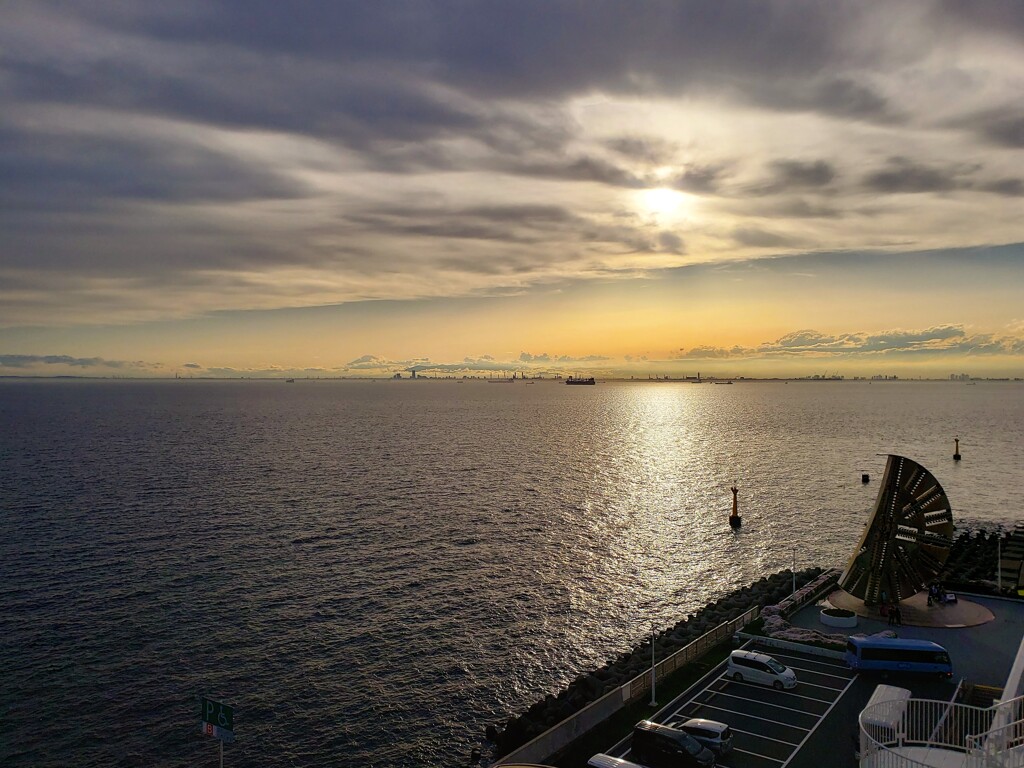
{"points": [[762, 189]]}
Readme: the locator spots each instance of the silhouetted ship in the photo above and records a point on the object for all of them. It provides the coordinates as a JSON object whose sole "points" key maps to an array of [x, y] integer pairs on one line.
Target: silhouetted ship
{"points": [[576, 380]]}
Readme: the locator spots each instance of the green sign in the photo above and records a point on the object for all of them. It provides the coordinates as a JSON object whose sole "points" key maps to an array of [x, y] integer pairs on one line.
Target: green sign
{"points": [[218, 715]]}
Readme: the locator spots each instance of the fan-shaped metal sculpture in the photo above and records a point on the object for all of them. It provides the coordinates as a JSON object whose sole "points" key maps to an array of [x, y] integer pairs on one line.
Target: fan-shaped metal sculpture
{"points": [[906, 541]]}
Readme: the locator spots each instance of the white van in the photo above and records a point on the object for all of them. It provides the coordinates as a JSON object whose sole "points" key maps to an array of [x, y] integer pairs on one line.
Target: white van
{"points": [[607, 761], [747, 666]]}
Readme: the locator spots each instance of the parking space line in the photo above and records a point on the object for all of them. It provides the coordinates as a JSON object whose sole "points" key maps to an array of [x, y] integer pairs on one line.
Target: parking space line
{"points": [[758, 754], [835, 663], [818, 672], [826, 687], [820, 721], [801, 682], [755, 717], [823, 674], [788, 693], [768, 704], [759, 736]]}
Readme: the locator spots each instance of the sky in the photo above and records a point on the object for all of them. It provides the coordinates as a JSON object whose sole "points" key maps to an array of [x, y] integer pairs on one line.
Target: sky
{"points": [[260, 188]]}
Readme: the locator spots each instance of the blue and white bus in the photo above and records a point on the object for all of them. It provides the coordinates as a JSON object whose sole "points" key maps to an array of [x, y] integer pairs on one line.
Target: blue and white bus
{"points": [[893, 654]]}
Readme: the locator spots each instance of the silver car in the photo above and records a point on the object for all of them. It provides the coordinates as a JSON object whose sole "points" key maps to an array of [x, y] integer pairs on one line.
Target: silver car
{"points": [[712, 734]]}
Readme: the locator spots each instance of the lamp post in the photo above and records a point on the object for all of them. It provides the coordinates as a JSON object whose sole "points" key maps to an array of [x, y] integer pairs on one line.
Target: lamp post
{"points": [[654, 676], [999, 562], [794, 570]]}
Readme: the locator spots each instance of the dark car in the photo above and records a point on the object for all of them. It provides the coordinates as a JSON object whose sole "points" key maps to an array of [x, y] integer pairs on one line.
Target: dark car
{"points": [[661, 746]]}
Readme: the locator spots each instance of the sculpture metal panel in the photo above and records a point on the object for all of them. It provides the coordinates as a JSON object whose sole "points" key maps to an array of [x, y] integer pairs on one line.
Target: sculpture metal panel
{"points": [[907, 539]]}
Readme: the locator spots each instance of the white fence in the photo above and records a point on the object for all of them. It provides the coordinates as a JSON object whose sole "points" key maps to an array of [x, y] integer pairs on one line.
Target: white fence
{"points": [[922, 732]]}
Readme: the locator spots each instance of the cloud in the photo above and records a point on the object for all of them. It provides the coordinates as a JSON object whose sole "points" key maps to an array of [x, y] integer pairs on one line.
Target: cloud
{"points": [[585, 168], [71, 169], [700, 179], [195, 366], [705, 352], [799, 175], [936, 341], [372, 362], [1001, 126], [526, 357], [800, 208], [670, 242], [905, 175], [509, 223], [166, 161], [1005, 187], [763, 238], [26, 361], [838, 96], [584, 359], [650, 150]]}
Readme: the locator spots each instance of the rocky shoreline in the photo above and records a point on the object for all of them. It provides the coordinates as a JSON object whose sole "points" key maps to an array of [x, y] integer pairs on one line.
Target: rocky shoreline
{"points": [[589, 687]]}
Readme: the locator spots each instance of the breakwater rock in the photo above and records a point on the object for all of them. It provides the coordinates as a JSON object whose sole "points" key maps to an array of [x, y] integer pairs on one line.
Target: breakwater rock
{"points": [[589, 687]]}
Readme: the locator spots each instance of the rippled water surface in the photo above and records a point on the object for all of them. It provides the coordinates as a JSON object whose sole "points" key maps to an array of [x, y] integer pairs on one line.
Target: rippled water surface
{"points": [[371, 572]]}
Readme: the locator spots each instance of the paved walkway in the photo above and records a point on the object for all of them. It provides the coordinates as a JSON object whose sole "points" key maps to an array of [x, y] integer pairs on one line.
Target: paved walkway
{"points": [[917, 613]]}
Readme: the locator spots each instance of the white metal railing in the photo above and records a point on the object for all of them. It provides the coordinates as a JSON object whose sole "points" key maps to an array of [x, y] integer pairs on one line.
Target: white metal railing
{"points": [[889, 729], [902, 733], [1003, 744]]}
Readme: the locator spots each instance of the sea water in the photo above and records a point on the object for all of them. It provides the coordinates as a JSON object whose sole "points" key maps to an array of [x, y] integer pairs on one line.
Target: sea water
{"points": [[370, 573]]}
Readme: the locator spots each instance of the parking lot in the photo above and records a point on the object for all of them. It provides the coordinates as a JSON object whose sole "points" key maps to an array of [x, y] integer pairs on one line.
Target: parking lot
{"points": [[769, 725]]}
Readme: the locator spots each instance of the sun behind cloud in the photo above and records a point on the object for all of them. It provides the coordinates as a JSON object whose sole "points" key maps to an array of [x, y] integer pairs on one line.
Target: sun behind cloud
{"points": [[665, 205]]}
